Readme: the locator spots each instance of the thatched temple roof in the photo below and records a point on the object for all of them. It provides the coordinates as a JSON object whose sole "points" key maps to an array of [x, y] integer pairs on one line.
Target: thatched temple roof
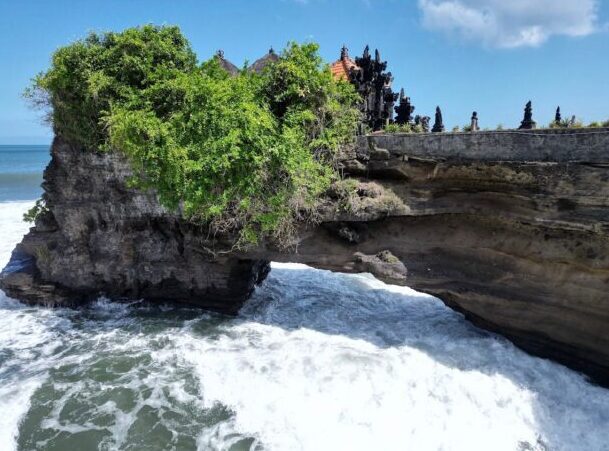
{"points": [[226, 64], [263, 62]]}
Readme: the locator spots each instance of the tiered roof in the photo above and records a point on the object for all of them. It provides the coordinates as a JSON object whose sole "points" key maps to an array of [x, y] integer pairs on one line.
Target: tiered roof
{"points": [[263, 62], [226, 64], [340, 69]]}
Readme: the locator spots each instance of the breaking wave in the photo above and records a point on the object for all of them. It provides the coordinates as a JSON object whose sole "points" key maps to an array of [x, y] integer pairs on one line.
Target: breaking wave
{"points": [[315, 361]]}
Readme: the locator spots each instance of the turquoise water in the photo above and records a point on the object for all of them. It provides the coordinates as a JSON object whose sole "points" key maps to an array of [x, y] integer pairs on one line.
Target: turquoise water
{"points": [[314, 361], [21, 171]]}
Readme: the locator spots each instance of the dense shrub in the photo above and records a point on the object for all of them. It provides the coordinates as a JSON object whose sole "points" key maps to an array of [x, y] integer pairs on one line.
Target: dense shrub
{"points": [[90, 77], [573, 122], [404, 128], [597, 124], [250, 153]]}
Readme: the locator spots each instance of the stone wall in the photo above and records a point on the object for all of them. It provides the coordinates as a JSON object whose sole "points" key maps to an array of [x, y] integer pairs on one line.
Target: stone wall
{"points": [[552, 145], [511, 228]]}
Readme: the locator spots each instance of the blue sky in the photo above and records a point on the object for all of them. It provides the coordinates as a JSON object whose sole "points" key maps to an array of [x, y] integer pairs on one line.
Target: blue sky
{"points": [[485, 55]]}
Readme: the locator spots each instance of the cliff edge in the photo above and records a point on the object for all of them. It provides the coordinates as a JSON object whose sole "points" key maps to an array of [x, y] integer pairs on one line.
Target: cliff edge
{"points": [[511, 228]]}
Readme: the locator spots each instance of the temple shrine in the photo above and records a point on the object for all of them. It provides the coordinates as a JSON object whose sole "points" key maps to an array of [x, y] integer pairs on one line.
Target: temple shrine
{"points": [[370, 79], [373, 84], [260, 64], [341, 69]]}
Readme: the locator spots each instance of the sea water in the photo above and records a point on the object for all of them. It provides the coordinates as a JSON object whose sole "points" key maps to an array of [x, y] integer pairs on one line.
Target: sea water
{"points": [[21, 171], [314, 361]]}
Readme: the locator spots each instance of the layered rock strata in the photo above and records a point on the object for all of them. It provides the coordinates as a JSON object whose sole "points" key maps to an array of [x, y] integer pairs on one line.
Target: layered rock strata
{"points": [[511, 228]]}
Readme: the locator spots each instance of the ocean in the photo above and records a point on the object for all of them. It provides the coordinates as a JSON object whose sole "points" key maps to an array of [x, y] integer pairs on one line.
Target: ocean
{"points": [[314, 361], [21, 172]]}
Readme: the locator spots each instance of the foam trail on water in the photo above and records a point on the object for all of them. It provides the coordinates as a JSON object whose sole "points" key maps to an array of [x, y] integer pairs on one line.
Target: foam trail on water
{"points": [[19, 333], [323, 361], [314, 361]]}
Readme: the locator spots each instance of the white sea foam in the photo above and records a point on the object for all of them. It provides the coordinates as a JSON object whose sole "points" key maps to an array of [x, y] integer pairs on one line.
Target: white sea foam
{"points": [[315, 361], [12, 227], [322, 361], [17, 331]]}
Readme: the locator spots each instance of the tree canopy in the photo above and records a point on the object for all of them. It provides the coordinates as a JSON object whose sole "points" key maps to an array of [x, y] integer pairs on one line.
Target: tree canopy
{"points": [[250, 153]]}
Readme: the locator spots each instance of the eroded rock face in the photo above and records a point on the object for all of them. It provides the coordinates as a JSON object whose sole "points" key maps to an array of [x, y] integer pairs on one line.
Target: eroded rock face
{"points": [[101, 237], [510, 228]]}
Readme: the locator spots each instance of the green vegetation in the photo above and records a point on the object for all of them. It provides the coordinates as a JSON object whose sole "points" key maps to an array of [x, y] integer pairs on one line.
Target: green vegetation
{"points": [[365, 199], [387, 257], [250, 154], [597, 124], [404, 128], [567, 123], [37, 210], [574, 122]]}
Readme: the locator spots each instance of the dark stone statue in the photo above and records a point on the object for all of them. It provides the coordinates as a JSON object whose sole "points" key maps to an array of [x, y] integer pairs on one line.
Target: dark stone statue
{"points": [[438, 126], [374, 86], [344, 52], [404, 110], [425, 123], [528, 123], [474, 124], [557, 116], [422, 121]]}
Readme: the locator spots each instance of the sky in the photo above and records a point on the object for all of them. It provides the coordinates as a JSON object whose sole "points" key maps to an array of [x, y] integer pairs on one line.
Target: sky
{"points": [[491, 56]]}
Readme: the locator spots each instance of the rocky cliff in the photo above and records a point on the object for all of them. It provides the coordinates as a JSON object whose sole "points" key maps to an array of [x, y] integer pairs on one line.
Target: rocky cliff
{"points": [[510, 228], [100, 236]]}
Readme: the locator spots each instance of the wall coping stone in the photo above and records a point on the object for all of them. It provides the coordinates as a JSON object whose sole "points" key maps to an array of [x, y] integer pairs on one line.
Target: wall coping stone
{"points": [[585, 145]]}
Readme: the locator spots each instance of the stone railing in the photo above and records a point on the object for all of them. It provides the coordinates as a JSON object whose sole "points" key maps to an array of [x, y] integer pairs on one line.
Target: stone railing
{"points": [[585, 145]]}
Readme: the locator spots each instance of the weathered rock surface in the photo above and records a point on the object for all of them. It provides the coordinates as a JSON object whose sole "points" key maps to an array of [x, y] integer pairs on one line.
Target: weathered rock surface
{"points": [[510, 228], [102, 237]]}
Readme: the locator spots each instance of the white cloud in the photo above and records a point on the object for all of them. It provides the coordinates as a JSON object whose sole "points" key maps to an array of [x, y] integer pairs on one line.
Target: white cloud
{"points": [[511, 23]]}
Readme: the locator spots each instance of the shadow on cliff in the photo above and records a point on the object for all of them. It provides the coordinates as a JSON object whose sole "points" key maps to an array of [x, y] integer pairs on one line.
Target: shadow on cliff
{"points": [[362, 308]]}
